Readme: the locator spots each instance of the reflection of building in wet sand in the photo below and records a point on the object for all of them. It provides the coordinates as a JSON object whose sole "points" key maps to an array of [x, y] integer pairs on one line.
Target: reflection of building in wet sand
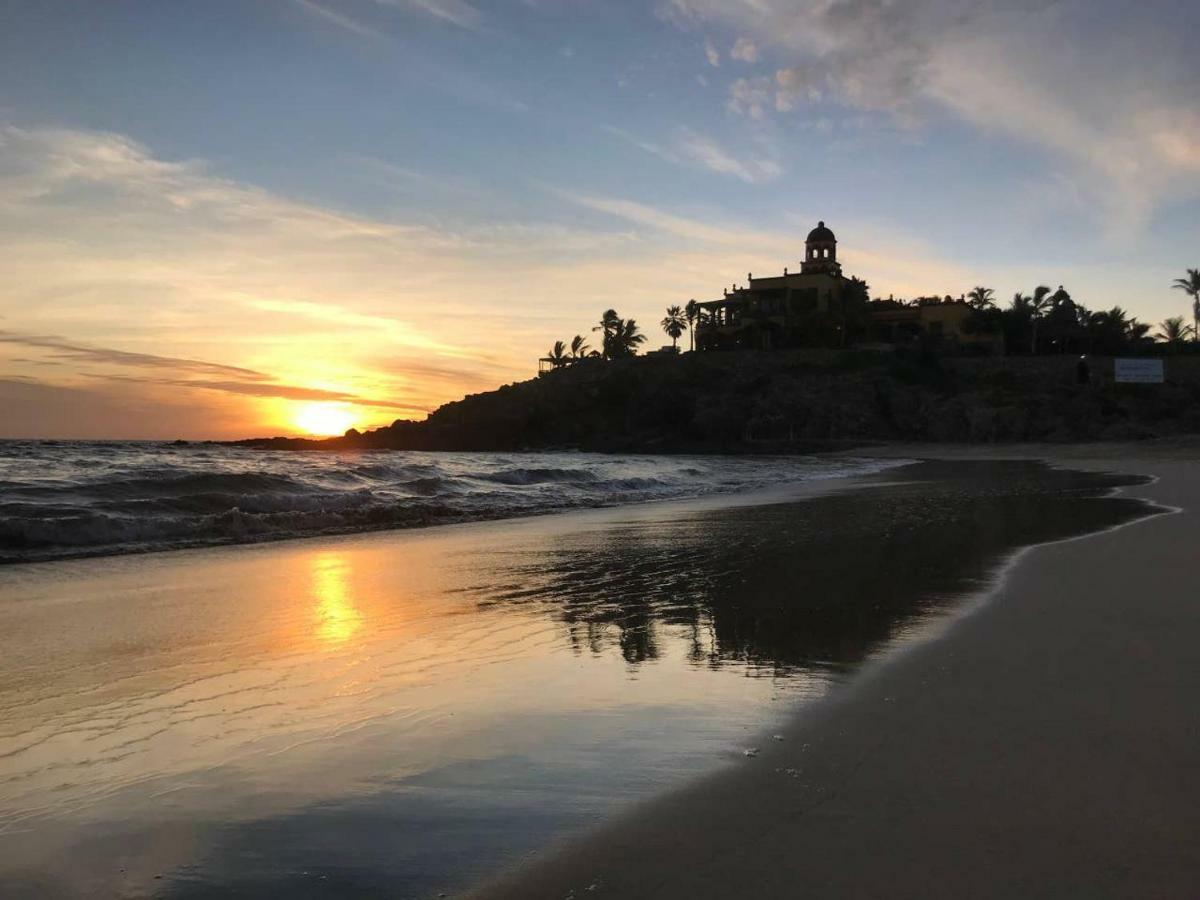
{"points": [[778, 590]]}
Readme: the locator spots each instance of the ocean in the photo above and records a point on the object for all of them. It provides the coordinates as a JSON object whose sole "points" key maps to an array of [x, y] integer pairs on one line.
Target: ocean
{"points": [[73, 498]]}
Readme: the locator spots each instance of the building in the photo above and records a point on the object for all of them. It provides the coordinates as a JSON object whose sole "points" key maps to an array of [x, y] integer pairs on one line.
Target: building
{"points": [[931, 319], [812, 306], [820, 307]]}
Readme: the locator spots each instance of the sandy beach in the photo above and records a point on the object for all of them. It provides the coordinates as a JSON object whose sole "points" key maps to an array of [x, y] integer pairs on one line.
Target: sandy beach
{"points": [[1045, 746], [417, 713]]}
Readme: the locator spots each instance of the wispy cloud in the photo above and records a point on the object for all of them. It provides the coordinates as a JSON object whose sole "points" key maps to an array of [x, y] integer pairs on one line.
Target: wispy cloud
{"points": [[341, 20], [691, 148], [63, 349], [267, 390], [706, 152], [454, 12]]}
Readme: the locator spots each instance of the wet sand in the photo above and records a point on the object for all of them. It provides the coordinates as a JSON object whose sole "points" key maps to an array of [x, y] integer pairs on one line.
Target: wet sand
{"points": [[1047, 745], [407, 714]]}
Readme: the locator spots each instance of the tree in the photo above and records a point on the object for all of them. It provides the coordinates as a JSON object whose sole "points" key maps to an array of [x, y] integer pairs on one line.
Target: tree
{"points": [[579, 347], [1191, 286], [609, 323], [558, 355], [980, 298], [626, 338], [674, 324], [1112, 331], [1173, 331], [1038, 304], [621, 336], [692, 313]]}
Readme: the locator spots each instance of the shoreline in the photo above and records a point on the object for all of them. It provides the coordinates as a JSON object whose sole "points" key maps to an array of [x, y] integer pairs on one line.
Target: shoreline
{"points": [[645, 642], [746, 830]]}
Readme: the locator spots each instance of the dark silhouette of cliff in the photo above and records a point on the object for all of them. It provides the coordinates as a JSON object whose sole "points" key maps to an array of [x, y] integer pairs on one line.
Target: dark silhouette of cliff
{"points": [[798, 400]]}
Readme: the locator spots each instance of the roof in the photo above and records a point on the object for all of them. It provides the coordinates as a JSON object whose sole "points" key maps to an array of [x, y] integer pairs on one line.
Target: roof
{"points": [[821, 234]]}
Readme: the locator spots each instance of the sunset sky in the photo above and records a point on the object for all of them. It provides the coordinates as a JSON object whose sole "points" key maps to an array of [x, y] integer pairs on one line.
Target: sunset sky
{"points": [[226, 218]]}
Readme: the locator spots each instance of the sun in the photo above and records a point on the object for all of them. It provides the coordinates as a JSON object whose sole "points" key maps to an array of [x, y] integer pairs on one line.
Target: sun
{"points": [[324, 418]]}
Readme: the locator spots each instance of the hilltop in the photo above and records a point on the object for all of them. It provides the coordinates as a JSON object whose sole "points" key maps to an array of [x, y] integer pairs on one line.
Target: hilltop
{"points": [[789, 400]]}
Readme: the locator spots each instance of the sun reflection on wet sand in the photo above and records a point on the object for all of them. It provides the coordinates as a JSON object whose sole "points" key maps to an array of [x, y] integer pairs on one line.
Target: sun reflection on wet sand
{"points": [[336, 617]]}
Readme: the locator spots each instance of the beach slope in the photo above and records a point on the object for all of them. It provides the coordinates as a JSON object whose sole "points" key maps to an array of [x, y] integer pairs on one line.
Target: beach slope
{"points": [[1046, 746]]}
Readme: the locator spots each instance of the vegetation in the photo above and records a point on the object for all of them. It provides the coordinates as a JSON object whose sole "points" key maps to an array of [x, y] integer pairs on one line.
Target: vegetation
{"points": [[980, 298], [1190, 285], [675, 323], [558, 355], [692, 313], [1173, 332], [580, 347], [1051, 322]]}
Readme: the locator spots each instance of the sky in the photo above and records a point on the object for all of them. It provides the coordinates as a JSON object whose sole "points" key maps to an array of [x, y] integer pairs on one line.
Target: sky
{"points": [[231, 218]]}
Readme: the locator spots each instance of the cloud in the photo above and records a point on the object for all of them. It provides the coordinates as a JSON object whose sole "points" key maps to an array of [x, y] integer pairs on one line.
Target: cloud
{"points": [[267, 390], [691, 148], [707, 153], [751, 97], [454, 12], [712, 54], [340, 20], [745, 50], [1103, 87], [66, 350]]}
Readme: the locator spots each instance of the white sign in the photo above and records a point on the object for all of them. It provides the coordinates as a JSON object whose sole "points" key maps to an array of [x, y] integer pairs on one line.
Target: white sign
{"points": [[1138, 371]]}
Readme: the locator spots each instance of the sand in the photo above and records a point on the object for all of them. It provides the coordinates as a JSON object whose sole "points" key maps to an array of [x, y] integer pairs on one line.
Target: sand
{"points": [[1045, 746]]}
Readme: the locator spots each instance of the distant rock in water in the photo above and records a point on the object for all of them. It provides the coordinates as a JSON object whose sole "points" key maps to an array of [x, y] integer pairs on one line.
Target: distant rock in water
{"points": [[796, 400]]}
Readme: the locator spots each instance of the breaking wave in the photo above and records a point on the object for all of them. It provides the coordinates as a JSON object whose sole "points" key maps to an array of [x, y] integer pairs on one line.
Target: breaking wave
{"points": [[60, 499]]}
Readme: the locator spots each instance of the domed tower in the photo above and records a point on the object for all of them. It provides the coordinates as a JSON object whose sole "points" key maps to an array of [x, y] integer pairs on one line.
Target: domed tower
{"points": [[820, 252]]}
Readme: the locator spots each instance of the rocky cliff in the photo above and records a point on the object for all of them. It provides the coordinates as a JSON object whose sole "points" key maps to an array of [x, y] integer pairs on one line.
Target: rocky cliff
{"points": [[750, 401]]}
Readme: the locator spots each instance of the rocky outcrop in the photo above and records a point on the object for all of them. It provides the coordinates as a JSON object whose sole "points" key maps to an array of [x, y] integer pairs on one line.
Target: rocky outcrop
{"points": [[746, 401]]}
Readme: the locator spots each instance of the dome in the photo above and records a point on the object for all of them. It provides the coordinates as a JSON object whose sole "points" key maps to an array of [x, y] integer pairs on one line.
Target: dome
{"points": [[820, 235]]}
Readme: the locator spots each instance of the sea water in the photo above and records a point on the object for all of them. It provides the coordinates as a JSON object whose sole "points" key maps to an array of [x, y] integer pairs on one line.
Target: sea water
{"points": [[66, 498]]}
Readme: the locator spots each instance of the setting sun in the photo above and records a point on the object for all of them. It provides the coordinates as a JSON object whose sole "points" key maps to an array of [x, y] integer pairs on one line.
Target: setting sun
{"points": [[324, 418]]}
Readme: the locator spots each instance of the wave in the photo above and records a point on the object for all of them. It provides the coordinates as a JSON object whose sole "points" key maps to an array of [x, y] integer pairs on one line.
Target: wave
{"points": [[73, 499]]}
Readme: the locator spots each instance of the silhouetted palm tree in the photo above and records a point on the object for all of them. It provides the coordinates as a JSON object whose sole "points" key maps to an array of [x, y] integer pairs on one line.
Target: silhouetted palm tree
{"points": [[1173, 331], [626, 338], [609, 322], [692, 313], [1038, 304], [579, 347], [1191, 286], [980, 298], [558, 355], [674, 324]]}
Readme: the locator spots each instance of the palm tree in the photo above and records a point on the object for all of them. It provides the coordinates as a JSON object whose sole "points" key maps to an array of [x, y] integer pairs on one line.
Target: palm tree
{"points": [[980, 298], [1191, 286], [1173, 331], [626, 338], [692, 313], [579, 347], [674, 324], [1038, 304], [558, 355], [609, 322]]}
